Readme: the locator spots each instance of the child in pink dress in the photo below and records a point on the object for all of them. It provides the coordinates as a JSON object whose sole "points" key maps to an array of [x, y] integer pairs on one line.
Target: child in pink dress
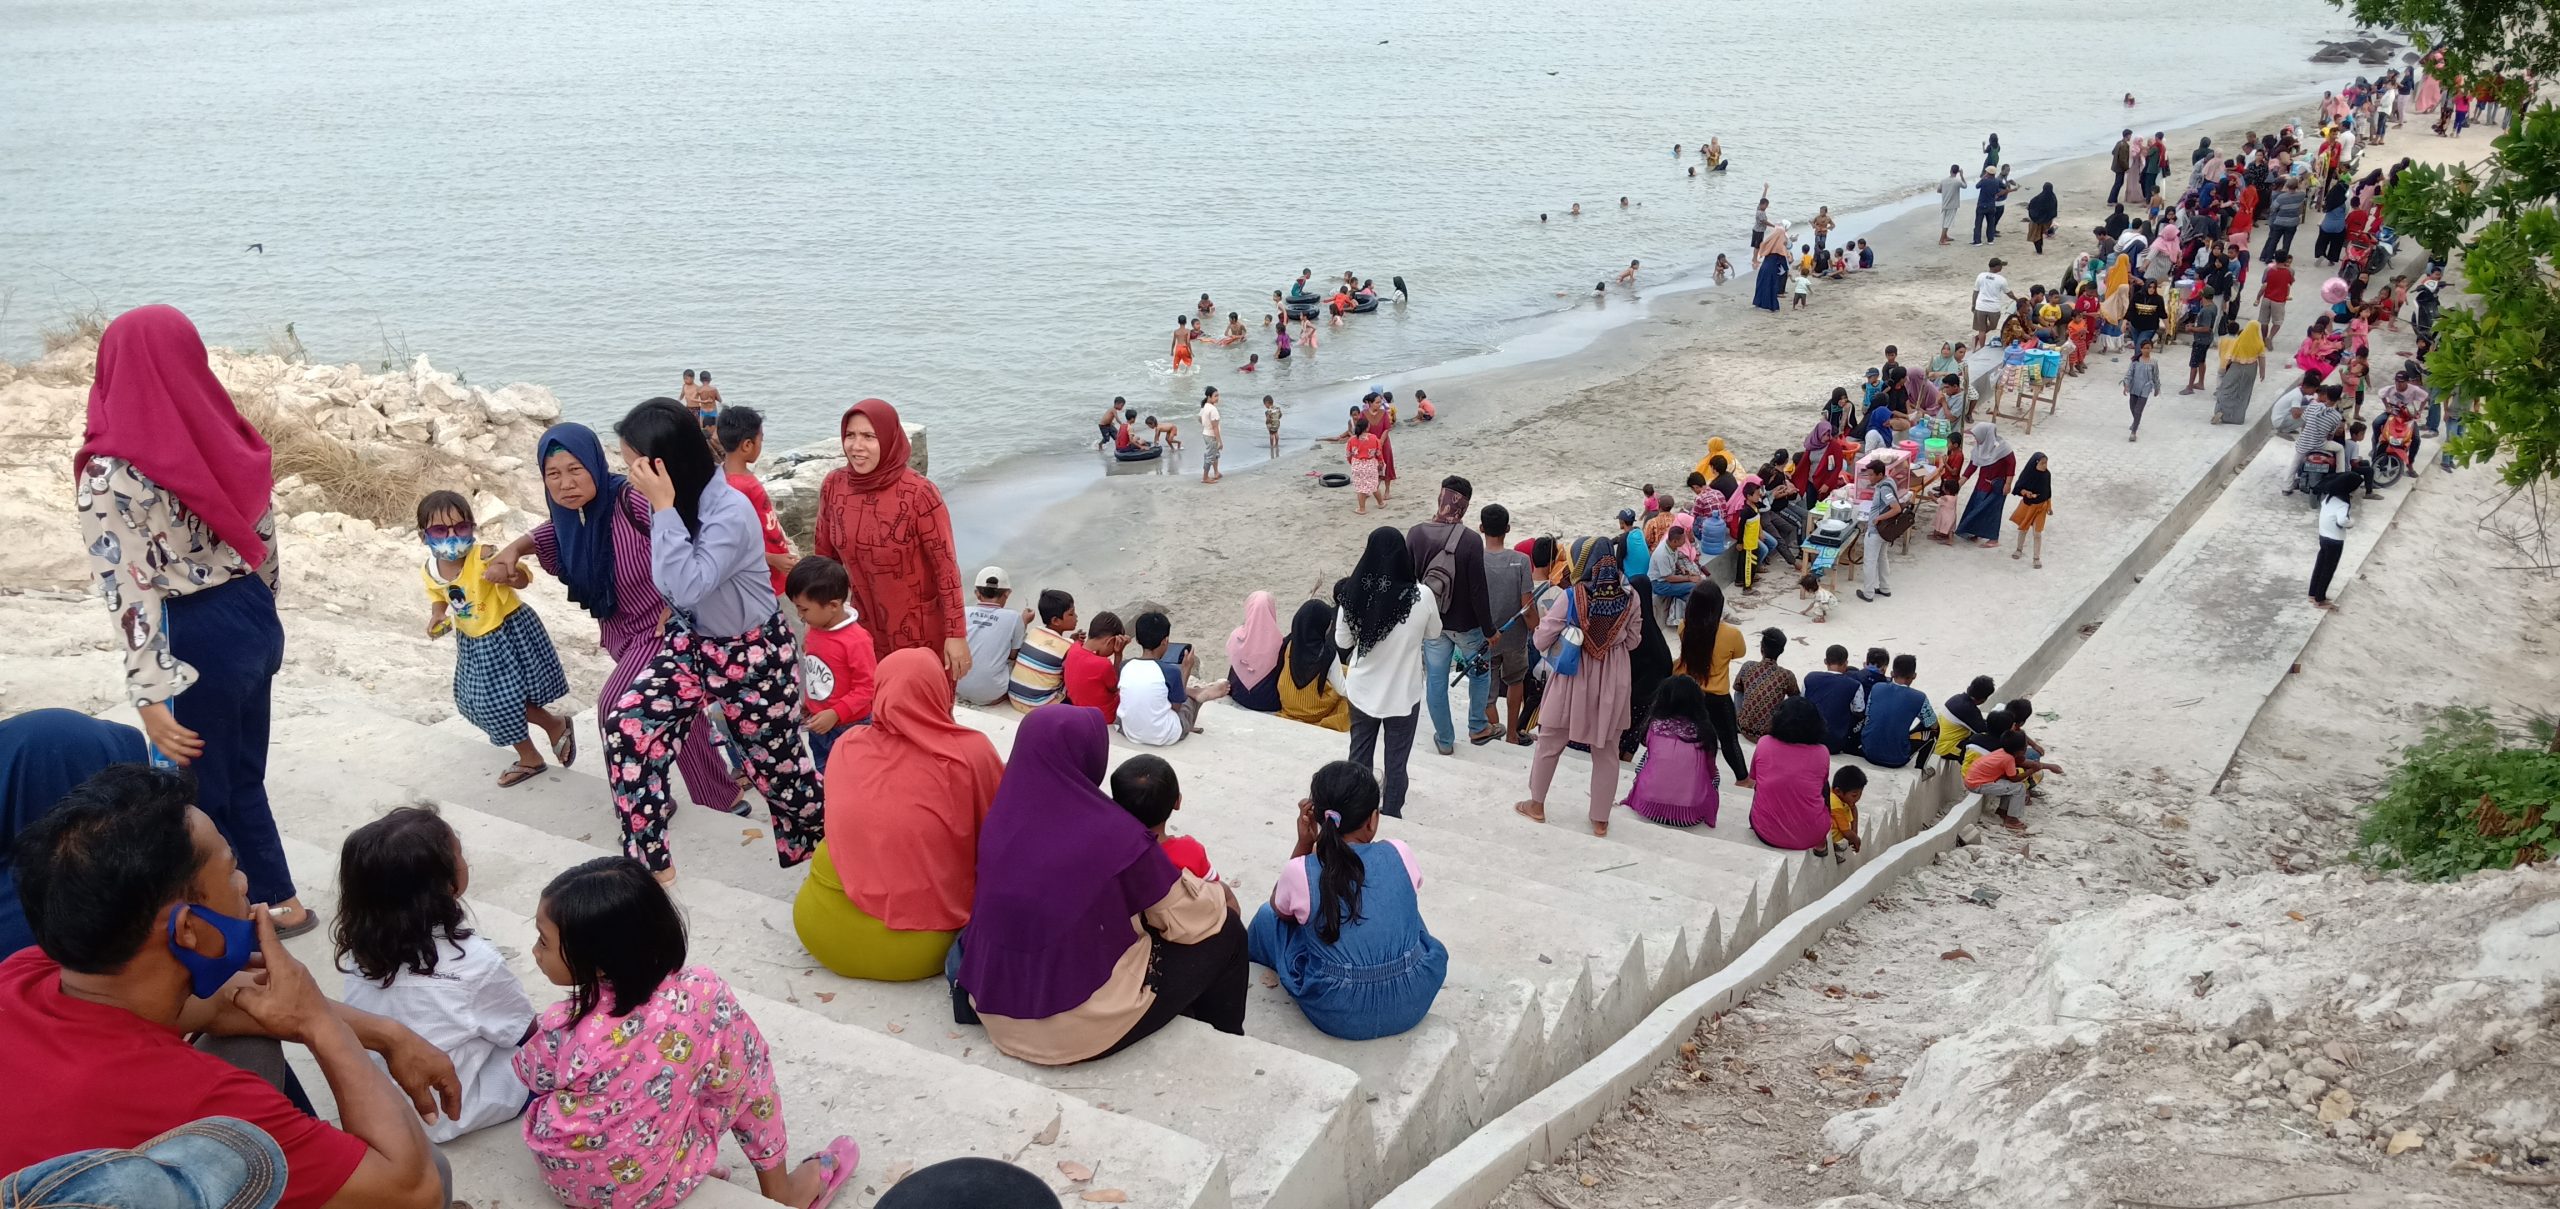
{"points": [[636, 1074]]}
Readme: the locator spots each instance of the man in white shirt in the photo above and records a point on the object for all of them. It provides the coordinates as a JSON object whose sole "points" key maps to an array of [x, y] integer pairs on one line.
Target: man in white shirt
{"points": [[1159, 701], [1212, 438], [1991, 299]]}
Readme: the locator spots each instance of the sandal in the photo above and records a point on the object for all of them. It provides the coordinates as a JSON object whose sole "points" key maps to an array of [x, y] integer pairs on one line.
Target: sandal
{"points": [[518, 773], [1481, 738], [1535, 812], [837, 1161], [2037, 564], [565, 748], [284, 931]]}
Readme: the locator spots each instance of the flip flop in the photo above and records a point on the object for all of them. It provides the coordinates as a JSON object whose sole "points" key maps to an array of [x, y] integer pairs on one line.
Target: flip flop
{"points": [[1483, 737], [518, 773], [565, 748], [310, 923], [838, 1161]]}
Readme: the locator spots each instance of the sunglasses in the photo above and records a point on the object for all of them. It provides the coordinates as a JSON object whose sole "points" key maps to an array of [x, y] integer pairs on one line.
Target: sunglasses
{"points": [[463, 529]]}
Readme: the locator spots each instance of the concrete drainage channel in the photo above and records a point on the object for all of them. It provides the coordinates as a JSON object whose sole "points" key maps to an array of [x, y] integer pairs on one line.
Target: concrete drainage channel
{"points": [[1539, 1128]]}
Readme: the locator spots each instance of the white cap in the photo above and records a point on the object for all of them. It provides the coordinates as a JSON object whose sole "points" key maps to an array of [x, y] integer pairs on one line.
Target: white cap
{"points": [[992, 577]]}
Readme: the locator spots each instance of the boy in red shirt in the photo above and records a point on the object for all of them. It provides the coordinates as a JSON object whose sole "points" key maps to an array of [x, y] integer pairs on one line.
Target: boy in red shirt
{"points": [[1093, 669], [837, 664], [741, 444], [1147, 788], [2274, 290], [2000, 776]]}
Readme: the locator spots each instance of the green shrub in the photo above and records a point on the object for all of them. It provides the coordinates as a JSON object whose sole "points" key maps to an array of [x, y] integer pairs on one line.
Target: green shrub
{"points": [[2466, 797]]}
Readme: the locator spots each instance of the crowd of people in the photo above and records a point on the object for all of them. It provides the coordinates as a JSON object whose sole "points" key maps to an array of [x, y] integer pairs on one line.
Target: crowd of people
{"points": [[147, 891]]}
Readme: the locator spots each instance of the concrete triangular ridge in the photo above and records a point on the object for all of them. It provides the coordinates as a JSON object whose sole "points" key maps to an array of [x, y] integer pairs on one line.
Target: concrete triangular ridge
{"points": [[1711, 948]]}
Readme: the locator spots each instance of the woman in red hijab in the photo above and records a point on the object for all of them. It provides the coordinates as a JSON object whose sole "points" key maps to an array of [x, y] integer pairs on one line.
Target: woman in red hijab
{"points": [[172, 487], [905, 795], [889, 528]]}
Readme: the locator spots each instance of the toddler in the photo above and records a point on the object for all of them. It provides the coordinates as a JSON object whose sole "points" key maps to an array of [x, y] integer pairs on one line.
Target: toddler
{"points": [[505, 670], [406, 955], [837, 662], [1271, 422], [1801, 284], [1147, 788], [1819, 594], [1847, 786], [635, 1075]]}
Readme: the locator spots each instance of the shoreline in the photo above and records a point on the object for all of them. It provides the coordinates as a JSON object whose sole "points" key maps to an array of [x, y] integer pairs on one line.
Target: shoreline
{"points": [[1562, 441]]}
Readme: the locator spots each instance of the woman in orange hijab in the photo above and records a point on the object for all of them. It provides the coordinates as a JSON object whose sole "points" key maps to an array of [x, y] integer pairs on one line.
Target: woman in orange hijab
{"points": [[888, 526], [892, 883]]}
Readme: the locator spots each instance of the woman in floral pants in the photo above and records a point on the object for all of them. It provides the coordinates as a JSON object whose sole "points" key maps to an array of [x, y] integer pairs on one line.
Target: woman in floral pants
{"points": [[724, 647]]}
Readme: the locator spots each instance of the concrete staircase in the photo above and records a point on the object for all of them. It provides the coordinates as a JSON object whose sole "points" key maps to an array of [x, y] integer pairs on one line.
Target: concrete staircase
{"points": [[1559, 942]]}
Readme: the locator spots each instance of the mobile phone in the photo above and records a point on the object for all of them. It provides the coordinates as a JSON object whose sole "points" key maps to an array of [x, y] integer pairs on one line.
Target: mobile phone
{"points": [[1174, 651]]}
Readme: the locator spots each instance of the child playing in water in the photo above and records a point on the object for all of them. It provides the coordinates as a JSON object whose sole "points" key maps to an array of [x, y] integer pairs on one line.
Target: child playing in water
{"points": [[1307, 332], [1163, 434], [406, 955], [1271, 421], [1252, 364], [637, 1073], [505, 669]]}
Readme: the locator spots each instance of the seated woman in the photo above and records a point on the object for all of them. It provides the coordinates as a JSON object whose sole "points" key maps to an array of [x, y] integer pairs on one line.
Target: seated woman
{"points": [[891, 884], [1343, 929], [1309, 664], [1676, 782], [1791, 780], [1253, 656], [44, 755], [1084, 938]]}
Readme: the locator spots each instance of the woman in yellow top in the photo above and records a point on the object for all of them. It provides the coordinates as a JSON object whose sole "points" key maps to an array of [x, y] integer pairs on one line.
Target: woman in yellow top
{"points": [[1309, 662], [505, 670], [1715, 446], [1708, 646]]}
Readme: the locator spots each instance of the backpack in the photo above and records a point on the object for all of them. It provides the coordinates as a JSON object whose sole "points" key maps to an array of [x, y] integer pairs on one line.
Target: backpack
{"points": [[1441, 573]]}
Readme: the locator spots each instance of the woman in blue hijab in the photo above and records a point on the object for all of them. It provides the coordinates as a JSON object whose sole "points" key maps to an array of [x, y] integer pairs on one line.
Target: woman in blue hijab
{"points": [[597, 543], [44, 755]]}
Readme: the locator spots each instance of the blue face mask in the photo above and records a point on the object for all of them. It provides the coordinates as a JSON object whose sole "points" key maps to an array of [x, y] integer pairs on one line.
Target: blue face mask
{"points": [[239, 943], [449, 548]]}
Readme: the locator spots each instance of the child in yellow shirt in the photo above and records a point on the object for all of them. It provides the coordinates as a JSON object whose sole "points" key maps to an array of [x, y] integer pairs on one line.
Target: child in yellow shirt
{"points": [[1847, 786], [505, 668]]}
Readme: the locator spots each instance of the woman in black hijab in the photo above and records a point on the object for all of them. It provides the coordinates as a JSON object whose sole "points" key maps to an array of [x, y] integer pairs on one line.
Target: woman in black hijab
{"points": [[1308, 664], [1647, 667]]}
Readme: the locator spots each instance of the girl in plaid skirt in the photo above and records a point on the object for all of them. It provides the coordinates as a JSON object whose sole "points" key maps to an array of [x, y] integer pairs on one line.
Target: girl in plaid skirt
{"points": [[505, 671]]}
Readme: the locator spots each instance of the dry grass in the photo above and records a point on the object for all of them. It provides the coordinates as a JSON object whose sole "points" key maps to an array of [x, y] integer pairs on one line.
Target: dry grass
{"points": [[78, 327], [382, 485]]}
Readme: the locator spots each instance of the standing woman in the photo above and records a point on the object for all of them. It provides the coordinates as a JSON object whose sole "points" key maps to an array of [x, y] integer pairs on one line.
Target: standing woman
{"points": [[2244, 365], [597, 545], [1708, 646], [172, 485], [1647, 667], [1771, 271], [2035, 503], [725, 647], [1587, 643], [887, 525], [1382, 616], [1993, 464], [1991, 151], [2337, 513], [1382, 419]]}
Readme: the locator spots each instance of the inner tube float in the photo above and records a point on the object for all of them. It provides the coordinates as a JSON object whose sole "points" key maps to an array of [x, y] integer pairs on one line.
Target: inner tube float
{"points": [[1143, 453], [1364, 306], [1334, 479]]}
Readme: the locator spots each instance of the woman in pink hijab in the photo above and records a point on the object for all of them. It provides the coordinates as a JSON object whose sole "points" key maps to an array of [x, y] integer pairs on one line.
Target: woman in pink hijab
{"points": [[172, 485], [1253, 656]]}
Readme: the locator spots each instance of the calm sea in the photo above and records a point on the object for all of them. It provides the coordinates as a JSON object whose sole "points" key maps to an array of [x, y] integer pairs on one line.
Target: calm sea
{"points": [[990, 212]]}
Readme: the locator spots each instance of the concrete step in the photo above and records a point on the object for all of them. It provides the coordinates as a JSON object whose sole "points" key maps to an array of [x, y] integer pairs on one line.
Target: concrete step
{"points": [[1295, 1129], [906, 1109]]}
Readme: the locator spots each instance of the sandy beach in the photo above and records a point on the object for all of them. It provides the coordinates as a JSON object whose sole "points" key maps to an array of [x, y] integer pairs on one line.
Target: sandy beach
{"points": [[1565, 443]]}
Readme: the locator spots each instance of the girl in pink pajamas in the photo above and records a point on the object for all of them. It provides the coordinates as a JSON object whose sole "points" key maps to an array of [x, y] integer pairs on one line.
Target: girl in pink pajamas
{"points": [[636, 1074]]}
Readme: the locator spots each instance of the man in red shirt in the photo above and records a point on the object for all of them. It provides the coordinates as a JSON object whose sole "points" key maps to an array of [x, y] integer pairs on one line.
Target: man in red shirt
{"points": [[741, 446], [2273, 292], [134, 898], [1093, 668]]}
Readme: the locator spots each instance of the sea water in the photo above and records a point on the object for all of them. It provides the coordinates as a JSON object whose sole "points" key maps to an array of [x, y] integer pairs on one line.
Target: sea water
{"points": [[991, 213]]}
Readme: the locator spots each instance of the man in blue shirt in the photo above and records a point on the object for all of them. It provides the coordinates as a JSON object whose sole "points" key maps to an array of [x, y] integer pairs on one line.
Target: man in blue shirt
{"points": [[1986, 205], [1839, 695], [1895, 710]]}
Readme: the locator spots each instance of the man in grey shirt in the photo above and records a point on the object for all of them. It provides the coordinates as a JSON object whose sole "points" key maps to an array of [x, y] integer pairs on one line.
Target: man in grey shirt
{"points": [[995, 629], [1511, 616]]}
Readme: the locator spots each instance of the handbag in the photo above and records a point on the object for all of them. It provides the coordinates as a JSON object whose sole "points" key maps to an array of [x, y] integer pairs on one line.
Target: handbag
{"points": [[1892, 528], [1566, 659]]}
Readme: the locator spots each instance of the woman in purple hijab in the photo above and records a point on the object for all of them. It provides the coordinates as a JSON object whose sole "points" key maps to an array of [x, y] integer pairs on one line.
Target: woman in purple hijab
{"points": [[1084, 937]]}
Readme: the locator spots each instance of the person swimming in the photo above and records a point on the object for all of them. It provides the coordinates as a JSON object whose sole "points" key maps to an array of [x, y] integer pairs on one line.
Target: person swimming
{"points": [[1235, 329]]}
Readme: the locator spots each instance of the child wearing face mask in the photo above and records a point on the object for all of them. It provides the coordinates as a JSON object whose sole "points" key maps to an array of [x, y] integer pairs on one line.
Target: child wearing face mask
{"points": [[505, 670]]}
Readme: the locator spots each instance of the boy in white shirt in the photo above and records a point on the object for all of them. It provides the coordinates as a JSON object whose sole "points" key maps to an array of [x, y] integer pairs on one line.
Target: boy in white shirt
{"points": [[1159, 700]]}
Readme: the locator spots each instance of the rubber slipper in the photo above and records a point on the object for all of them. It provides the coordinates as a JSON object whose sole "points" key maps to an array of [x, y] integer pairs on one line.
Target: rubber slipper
{"points": [[517, 774], [565, 748], [1484, 737], [310, 923], [838, 1161]]}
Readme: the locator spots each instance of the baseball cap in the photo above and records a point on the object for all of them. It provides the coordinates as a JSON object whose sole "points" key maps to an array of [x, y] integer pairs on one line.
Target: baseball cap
{"points": [[1626, 515], [213, 1163], [992, 577]]}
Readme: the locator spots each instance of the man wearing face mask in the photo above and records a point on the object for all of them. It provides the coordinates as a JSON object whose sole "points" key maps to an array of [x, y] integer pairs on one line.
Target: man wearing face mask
{"points": [[145, 935]]}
